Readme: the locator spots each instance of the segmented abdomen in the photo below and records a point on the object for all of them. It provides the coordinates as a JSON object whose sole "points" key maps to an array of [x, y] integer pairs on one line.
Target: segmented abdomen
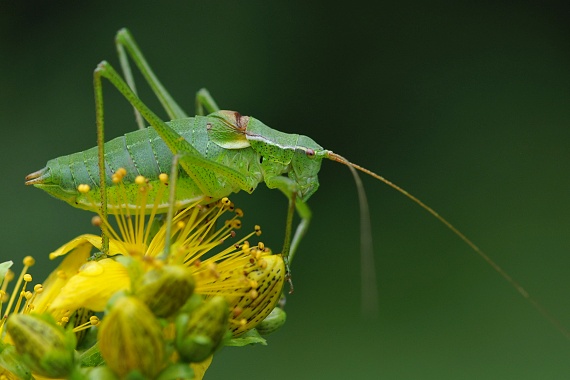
{"points": [[141, 152]]}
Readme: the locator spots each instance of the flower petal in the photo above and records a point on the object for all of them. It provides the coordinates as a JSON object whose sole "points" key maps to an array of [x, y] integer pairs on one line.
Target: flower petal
{"points": [[94, 240], [59, 277], [200, 368], [92, 286]]}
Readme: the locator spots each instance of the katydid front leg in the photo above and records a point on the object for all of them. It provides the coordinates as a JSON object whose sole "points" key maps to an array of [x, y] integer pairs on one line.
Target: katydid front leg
{"points": [[289, 188]]}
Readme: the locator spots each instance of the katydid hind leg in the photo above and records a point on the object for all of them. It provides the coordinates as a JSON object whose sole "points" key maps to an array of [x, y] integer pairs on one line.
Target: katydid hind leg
{"points": [[128, 74], [204, 172], [126, 45]]}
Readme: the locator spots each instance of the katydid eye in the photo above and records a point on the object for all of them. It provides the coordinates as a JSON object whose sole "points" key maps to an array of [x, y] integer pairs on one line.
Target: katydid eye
{"points": [[310, 153]]}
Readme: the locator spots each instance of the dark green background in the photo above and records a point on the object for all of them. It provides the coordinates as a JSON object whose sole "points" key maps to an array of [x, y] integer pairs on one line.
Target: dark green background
{"points": [[466, 106]]}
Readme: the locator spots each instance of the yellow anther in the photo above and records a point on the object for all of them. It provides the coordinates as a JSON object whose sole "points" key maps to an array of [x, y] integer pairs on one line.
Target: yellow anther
{"points": [[262, 264], [83, 188], [29, 261], [94, 320], [261, 246], [28, 295], [96, 221], [253, 284], [181, 224], [121, 172], [64, 319], [253, 294], [226, 201], [61, 275], [237, 311], [28, 277], [38, 288], [116, 178], [213, 269], [243, 321], [163, 177], [239, 212], [140, 180], [236, 223], [257, 230]]}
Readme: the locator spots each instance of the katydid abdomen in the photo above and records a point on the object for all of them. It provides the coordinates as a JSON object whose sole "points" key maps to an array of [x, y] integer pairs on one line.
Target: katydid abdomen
{"points": [[143, 152]]}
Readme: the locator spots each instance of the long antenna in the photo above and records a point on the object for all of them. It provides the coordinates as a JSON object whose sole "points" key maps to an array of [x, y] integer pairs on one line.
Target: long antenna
{"points": [[369, 288], [545, 313]]}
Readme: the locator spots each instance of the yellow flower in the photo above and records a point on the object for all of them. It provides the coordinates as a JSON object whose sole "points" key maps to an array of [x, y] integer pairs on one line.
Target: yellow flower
{"points": [[150, 261], [34, 340], [250, 277]]}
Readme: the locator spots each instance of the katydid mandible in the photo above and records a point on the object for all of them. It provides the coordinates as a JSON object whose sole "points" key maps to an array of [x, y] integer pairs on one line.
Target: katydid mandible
{"points": [[219, 153]]}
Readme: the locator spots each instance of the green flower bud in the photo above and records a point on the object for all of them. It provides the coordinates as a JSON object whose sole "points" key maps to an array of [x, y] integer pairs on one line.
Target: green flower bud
{"points": [[199, 334], [11, 366], [166, 289], [272, 322], [43, 345], [131, 339], [97, 373], [177, 371]]}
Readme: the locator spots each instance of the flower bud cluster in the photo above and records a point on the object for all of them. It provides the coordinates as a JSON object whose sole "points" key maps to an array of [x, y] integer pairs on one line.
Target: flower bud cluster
{"points": [[166, 310], [137, 332]]}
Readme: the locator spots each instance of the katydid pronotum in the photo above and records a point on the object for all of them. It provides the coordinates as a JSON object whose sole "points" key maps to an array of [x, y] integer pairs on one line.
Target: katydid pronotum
{"points": [[219, 152]]}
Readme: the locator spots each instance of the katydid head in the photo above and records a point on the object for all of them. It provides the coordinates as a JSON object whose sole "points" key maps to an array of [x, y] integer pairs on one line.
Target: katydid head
{"points": [[305, 166], [279, 153], [296, 155]]}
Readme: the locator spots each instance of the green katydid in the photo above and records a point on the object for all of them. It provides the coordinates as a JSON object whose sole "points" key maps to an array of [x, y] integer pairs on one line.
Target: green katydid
{"points": [[219, 153]]}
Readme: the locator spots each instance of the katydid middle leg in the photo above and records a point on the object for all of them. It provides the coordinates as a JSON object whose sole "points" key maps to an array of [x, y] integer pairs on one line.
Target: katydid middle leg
{"points": [[289, 188]]}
